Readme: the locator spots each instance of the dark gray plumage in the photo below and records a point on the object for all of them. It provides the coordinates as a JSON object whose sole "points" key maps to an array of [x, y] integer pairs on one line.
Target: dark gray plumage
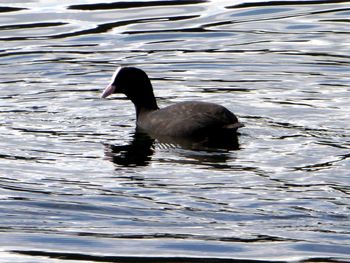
{"points": [[185, 119]]}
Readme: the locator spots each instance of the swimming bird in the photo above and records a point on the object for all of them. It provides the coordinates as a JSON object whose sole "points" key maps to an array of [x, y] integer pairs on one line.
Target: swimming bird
{"points": [[191, 119]]}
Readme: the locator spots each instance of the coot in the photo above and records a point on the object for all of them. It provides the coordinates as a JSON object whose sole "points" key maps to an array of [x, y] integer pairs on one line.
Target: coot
{"points": [[184, 119]]}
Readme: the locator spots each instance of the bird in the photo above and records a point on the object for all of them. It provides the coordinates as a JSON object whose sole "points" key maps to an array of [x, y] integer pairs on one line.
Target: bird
{"points": [[190, 119]]}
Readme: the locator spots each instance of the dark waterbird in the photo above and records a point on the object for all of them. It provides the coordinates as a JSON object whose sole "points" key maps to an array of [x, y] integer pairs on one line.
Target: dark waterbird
{"points": [[202, 121]]}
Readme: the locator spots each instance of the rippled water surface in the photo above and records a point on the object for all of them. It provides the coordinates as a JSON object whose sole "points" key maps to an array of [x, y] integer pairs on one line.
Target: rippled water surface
{"points": [[77, 183]]}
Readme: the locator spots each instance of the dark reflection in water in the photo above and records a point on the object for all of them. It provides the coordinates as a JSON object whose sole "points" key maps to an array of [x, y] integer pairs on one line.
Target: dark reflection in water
{"points": [[139, 151], [76, 256], [288, 2], [134, 4], [32, 25]]}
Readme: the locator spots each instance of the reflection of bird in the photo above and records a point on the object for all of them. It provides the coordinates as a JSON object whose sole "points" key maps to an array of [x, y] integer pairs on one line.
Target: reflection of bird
{"points": [[137, 153], [191, 119], [140, 150]]}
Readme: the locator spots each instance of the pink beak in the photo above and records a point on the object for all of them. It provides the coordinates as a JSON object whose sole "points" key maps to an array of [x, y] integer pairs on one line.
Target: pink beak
{"points": [[108, 91]]}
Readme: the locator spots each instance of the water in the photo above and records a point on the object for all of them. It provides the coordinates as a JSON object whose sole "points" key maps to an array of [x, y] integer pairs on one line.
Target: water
{"points": [[77, 183]]}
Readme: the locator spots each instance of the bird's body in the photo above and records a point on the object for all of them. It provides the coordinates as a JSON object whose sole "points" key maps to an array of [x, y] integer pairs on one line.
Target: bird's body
{"points": [[190, 119], [184, 119]]}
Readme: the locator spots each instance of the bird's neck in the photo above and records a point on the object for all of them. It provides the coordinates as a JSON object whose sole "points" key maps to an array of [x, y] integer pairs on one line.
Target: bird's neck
{"points": [[145, 105], [143, 100]]}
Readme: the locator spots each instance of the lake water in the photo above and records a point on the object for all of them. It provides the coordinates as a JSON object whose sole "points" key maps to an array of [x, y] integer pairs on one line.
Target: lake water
{"points": [[77, 183]]}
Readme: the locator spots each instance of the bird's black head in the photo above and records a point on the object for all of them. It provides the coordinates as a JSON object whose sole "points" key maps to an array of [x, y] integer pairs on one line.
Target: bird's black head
{"points": [[135, 84]]}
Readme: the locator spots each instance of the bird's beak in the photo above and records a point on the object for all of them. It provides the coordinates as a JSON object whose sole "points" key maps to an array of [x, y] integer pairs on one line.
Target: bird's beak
{"points": [[108, 91], [111, 88]]}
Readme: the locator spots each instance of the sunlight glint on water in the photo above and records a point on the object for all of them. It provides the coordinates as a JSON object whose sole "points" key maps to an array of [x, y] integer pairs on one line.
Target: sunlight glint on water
{"points": [[76, 182]]}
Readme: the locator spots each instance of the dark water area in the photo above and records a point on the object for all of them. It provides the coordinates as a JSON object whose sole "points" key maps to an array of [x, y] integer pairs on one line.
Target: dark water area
{"points": [[78, 184]]}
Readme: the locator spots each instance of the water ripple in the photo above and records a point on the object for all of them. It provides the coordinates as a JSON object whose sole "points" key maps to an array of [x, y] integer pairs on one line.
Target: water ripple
{"points": [[78, 182]]}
